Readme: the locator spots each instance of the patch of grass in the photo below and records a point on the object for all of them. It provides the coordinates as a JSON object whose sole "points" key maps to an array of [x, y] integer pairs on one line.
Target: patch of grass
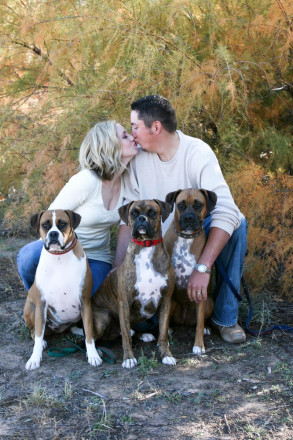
{"points": [[76, 375], [23, 331], [145, 364], [254, 431], [198, 398], [67, 389], [284, 370], [174, 397], [190, 361], [103, 423], [127, 419], [39, 397]]}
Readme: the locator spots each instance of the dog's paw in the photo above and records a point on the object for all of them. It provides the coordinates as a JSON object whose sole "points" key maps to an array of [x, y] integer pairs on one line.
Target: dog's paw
{"points": [[95, 361], [207, 331], [129, 363], [132, 332], [147, 337], [92, 355], [45, 345], [33, 363], [198, 350], [169, 360]]}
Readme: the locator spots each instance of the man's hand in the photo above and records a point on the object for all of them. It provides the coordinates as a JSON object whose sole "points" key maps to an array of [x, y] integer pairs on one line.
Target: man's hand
{"points": [[198, 282], [197, 289]]}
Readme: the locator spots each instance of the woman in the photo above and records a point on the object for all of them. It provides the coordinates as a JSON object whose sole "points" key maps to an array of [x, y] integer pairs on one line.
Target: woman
{"points": [[96, 193]]}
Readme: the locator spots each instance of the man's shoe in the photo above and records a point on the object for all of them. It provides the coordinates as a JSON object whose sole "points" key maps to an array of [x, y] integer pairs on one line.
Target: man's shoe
{"points": [[233, 335]]}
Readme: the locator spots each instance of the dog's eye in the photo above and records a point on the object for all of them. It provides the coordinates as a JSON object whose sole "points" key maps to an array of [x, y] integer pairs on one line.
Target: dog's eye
{"points": [[197, 205], [46, 226], [134, 213], [152, 213], [181, 206], [62, 226]]}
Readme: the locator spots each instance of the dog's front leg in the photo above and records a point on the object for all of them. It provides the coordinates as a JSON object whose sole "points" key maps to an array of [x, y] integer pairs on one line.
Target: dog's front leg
{"points": [[129, 360], [39, 330], [87, 318], [163, 345], [199, 347]]}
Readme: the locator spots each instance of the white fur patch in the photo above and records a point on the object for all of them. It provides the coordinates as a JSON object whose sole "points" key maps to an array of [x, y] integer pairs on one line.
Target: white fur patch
{"points": [[60, 279], [54, 228], [36, 357], [168, 360], [183, 261], [92, 354], [147, 337], [148, 282], [198, 350], [129, 363]]}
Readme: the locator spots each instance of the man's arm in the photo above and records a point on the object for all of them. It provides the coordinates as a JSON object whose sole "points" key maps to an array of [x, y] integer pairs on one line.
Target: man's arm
{"points": [[123, 238], [198, 282]]}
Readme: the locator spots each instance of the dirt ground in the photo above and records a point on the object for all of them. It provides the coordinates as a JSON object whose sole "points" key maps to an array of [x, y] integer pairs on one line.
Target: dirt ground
{"points": [[232, 392]]}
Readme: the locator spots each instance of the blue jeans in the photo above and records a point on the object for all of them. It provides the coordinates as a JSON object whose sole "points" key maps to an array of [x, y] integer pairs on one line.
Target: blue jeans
{"points": [[28, 260], [232, 258]]}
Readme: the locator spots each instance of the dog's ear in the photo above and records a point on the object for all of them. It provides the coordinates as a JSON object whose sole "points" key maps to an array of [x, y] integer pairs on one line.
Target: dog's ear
{"points": [[211, 199], [74, 218], [35, 220], [171, 197], [165, 207], [123, 211]]}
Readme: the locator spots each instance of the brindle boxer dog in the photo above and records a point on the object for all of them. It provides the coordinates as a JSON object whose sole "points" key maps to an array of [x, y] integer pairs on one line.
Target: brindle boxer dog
{"points": [[142, 284], [185, 240]]}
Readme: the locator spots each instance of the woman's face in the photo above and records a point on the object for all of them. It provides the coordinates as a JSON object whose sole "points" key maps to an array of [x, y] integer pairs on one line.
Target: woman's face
{"points": [[129, 149]]}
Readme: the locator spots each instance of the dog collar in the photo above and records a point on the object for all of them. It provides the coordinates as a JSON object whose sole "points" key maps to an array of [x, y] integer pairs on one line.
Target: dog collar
{"points": [[181, 234], [147, 243], [69, 248]]}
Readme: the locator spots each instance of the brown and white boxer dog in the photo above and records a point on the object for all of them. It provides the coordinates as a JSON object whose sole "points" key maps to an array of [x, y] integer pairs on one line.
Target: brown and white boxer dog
{"points": [[185, 240], [142, 284], [60, 294]]}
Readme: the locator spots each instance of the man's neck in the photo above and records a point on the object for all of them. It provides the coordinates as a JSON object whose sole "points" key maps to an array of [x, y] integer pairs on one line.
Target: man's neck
{"points": [[168, 146]]}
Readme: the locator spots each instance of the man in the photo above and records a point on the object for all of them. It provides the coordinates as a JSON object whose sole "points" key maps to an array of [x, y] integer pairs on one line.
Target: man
{"points": [[168, 161]]}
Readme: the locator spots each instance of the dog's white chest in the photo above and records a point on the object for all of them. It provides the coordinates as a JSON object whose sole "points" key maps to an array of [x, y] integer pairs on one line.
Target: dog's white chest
{"points": [[148, 282], [60, 280], [183, 261]]}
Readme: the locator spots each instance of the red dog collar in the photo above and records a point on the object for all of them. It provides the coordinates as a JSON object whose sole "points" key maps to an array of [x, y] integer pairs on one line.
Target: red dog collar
{"points": [[147, 243], [72, 245]]}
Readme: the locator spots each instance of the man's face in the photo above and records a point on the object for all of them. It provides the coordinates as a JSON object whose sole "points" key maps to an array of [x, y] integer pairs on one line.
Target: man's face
{"points": [[143, 135]]}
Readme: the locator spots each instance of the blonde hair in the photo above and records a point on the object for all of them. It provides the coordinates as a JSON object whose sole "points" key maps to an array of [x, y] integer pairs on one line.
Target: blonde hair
{"points": [[101, 150]]}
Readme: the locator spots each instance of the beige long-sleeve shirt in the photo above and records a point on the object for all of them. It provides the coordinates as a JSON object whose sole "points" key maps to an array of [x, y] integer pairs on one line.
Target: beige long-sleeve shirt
{"points": [[83, 194], [193, 166]]}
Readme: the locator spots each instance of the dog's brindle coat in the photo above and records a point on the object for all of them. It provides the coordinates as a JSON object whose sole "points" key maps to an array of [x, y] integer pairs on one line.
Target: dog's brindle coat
{"points": [[142, 284], [185, 240], [60, 294]]}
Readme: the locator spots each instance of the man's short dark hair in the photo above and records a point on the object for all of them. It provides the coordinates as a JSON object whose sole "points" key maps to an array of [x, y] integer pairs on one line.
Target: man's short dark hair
{"points": [[156, 108]]}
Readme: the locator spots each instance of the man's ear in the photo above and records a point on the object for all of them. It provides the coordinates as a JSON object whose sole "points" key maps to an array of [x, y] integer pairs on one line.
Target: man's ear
{"points": [[165, 208], [171, 197], [35, 220], [74, 218], [211, 199], [124, 212], [157, 127]]}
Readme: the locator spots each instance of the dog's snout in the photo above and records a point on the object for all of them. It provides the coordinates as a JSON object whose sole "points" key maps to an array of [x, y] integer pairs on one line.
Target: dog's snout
{"points": [[53, 234], [189, 217], [141, 219]]}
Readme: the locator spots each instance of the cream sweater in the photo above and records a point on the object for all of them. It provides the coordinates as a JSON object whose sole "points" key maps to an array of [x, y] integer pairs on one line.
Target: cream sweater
{"points": [[83, 194], [193, 166]]}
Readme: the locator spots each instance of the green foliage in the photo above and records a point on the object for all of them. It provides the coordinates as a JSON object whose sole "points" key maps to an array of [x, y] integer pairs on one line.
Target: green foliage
{"points": [[226, 66]]}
